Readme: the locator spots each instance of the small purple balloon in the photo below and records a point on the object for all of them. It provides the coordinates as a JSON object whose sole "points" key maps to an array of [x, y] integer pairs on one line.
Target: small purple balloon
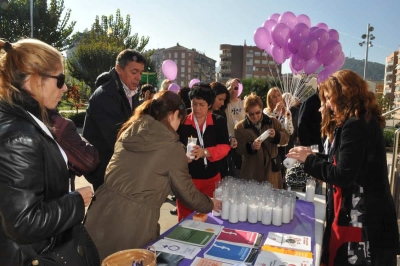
{"points": [[262, 38], [288, 18], [323, 75], [174, 87], [268, 24], [304, 19], [297, 62], [298, 34], [275, 16], [337, 64], [322, 25], [321, 36], [278, 54], [330, 52], [333, 35], [312, 65], [312, 29], [192, 82], [308, 48], [240, 88], [280, 34], [292, 48], [169, 69]]}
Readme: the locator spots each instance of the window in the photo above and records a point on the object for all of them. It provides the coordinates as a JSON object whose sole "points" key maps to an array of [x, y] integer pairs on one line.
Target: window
{"points": [[264, 62], [188, 76], [190, 63], [249, 69], [176, 55], [169, 55], [257, 53], [257, 61], [189, 69], [183, 55], [182, 75], [182, 62], [182, 83], [183, 69]]}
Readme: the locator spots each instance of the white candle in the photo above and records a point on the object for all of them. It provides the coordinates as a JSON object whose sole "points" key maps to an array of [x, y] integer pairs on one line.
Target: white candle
{"points": [[252, 213], [225, 209], [266, 215], [286, 214], [289, 162], [259, 211], [189, 150], [264, 136], [310, 192], [218, 196], [242, 212], [233, 213], [277, 216], [292, 208]]}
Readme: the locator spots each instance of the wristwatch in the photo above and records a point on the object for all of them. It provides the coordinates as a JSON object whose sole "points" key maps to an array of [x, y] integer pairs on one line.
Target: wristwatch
{"points": [[205, 153]]}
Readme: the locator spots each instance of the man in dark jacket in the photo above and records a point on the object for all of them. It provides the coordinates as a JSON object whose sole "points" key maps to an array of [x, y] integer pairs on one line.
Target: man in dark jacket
{"points": [[110, 106]]}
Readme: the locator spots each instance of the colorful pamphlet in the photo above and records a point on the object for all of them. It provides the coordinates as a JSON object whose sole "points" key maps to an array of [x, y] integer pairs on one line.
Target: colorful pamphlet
{"points": [[276, 259], [207, 262], [230, 253], [240, 237], [174, 247], [288, 241], [190, 236], [207, 227]]}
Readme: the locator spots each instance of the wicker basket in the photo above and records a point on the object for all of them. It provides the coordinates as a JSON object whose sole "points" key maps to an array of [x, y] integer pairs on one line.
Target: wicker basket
{"points": [[126, 257]]}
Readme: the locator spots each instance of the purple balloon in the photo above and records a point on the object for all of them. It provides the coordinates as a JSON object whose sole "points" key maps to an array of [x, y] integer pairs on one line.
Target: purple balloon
{"points": [[169, 69], [312, 65], [275, 16], [323, 75], [262, 38], [322, 25], [174, 87], [268, 24], [304, 19], [293, 49], [280, 34], [308, 48], [278, 54], [192, 82], [330, 52], [322, 37], [333, 35], [268, 49], [297, 62], [337, 64], [240, 88], [312, 29], [298, 34], [288, 18], [288, 54]]}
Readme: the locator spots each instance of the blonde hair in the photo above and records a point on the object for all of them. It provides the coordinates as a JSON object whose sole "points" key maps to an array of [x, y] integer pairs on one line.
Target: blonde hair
{"points": [[270, 108], [165, 84], [24, 60]]}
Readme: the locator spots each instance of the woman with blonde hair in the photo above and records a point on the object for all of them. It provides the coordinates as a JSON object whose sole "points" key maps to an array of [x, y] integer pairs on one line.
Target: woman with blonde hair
{"points": [[258, 156], [361, 221], [38, 213]]}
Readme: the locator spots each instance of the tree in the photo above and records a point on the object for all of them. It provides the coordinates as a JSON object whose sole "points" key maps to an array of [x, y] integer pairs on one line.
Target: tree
{"points": [[260, 86], [49, 25], [98, 47]]}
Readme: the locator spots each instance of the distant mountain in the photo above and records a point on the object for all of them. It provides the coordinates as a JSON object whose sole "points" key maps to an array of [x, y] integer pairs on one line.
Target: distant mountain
{"points": [[375, 71]]}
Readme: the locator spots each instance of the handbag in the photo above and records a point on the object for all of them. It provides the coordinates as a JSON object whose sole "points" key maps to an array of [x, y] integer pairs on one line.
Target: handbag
{"points": [[296, 177], [276, 162], [76, 248]]}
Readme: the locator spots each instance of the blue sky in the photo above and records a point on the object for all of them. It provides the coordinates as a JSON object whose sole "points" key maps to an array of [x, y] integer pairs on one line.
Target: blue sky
{"points": [[206, 24]]}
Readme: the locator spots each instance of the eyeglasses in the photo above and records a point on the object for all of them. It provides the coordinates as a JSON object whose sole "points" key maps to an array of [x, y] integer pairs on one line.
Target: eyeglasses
{"points": [[60, 79], [255, 113]]}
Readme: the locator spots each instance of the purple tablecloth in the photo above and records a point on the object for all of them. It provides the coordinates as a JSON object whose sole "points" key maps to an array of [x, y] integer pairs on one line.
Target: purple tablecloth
{"points": [[303, 223]]}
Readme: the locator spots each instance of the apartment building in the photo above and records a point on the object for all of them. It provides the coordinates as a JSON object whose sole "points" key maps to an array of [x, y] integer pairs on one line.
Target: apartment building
{"points": [[246, 62], [191, 64], [390, 79]]}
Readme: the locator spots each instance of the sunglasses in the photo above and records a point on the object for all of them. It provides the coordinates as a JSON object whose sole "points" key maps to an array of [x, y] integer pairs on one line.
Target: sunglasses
{"points": [[60, 79], [255, 113]]}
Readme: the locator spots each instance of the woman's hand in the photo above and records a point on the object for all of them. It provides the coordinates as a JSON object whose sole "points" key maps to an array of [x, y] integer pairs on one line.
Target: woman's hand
{"points": [[197, 152], [233, 143], [87, 194], [300, 153], [280, 107], [217, 205], [271, 133], [256, 145]]}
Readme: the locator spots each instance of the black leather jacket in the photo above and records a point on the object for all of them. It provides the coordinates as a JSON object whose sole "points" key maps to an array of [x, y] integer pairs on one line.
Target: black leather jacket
{"points": [[35, 206]]}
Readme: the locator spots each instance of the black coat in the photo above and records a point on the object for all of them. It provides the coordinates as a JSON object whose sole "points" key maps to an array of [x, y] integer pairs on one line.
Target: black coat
{"points": [[358, 163], [309, 122], [108, 110], [35, 206]]}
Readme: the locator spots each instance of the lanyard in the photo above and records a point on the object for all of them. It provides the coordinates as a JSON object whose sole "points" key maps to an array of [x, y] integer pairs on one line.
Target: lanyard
{"points": [[200, 135]]}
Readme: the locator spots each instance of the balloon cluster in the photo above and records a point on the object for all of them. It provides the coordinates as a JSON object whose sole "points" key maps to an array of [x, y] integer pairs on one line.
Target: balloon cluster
{"points": [[288, 36]]}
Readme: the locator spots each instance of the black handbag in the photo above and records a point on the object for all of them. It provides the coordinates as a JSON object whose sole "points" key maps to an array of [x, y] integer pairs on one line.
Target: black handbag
{"points": [[276, 162], [75, 248]]}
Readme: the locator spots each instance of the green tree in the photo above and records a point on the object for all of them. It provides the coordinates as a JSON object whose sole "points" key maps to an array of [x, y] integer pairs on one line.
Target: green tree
{"points": [[98, 47], [260, 86], [48, 23]]}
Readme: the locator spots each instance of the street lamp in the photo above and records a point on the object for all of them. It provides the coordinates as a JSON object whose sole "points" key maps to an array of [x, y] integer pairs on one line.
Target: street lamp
{"points": [[31, 11], [368, 43]]}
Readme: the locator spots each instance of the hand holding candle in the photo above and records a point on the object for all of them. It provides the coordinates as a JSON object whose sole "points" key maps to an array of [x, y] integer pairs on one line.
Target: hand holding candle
{"points": [[190, 145]]}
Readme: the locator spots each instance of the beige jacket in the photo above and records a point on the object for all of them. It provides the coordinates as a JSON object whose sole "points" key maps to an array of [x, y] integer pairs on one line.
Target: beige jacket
{"points": [[253, 166], [148, 162]]}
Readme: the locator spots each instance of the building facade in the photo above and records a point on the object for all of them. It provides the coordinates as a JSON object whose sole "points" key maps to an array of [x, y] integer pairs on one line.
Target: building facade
{"points": [[190, 62], [246, 62], [390, 79]]}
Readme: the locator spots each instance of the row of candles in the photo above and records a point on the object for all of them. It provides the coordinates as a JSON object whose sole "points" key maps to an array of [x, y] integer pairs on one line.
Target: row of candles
{"points": [[254, 202]]}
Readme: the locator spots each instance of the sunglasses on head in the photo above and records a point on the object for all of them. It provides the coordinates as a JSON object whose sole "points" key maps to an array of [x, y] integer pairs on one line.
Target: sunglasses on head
{"points": [[255, 113], [60, 79]]}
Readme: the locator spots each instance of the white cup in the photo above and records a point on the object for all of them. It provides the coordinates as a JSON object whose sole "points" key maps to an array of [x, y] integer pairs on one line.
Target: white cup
{"points": [[191, 143]]}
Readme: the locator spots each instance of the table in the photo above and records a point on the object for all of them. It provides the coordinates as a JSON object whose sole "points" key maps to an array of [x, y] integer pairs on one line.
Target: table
{"points": [[302, 226]]}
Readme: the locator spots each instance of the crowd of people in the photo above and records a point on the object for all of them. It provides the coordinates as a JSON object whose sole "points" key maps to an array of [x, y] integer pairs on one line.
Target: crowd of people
{"points": [[133, 151]]}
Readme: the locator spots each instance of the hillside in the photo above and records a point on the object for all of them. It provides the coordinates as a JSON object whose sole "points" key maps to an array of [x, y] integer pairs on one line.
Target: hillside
{"points": [[375, 71]]}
